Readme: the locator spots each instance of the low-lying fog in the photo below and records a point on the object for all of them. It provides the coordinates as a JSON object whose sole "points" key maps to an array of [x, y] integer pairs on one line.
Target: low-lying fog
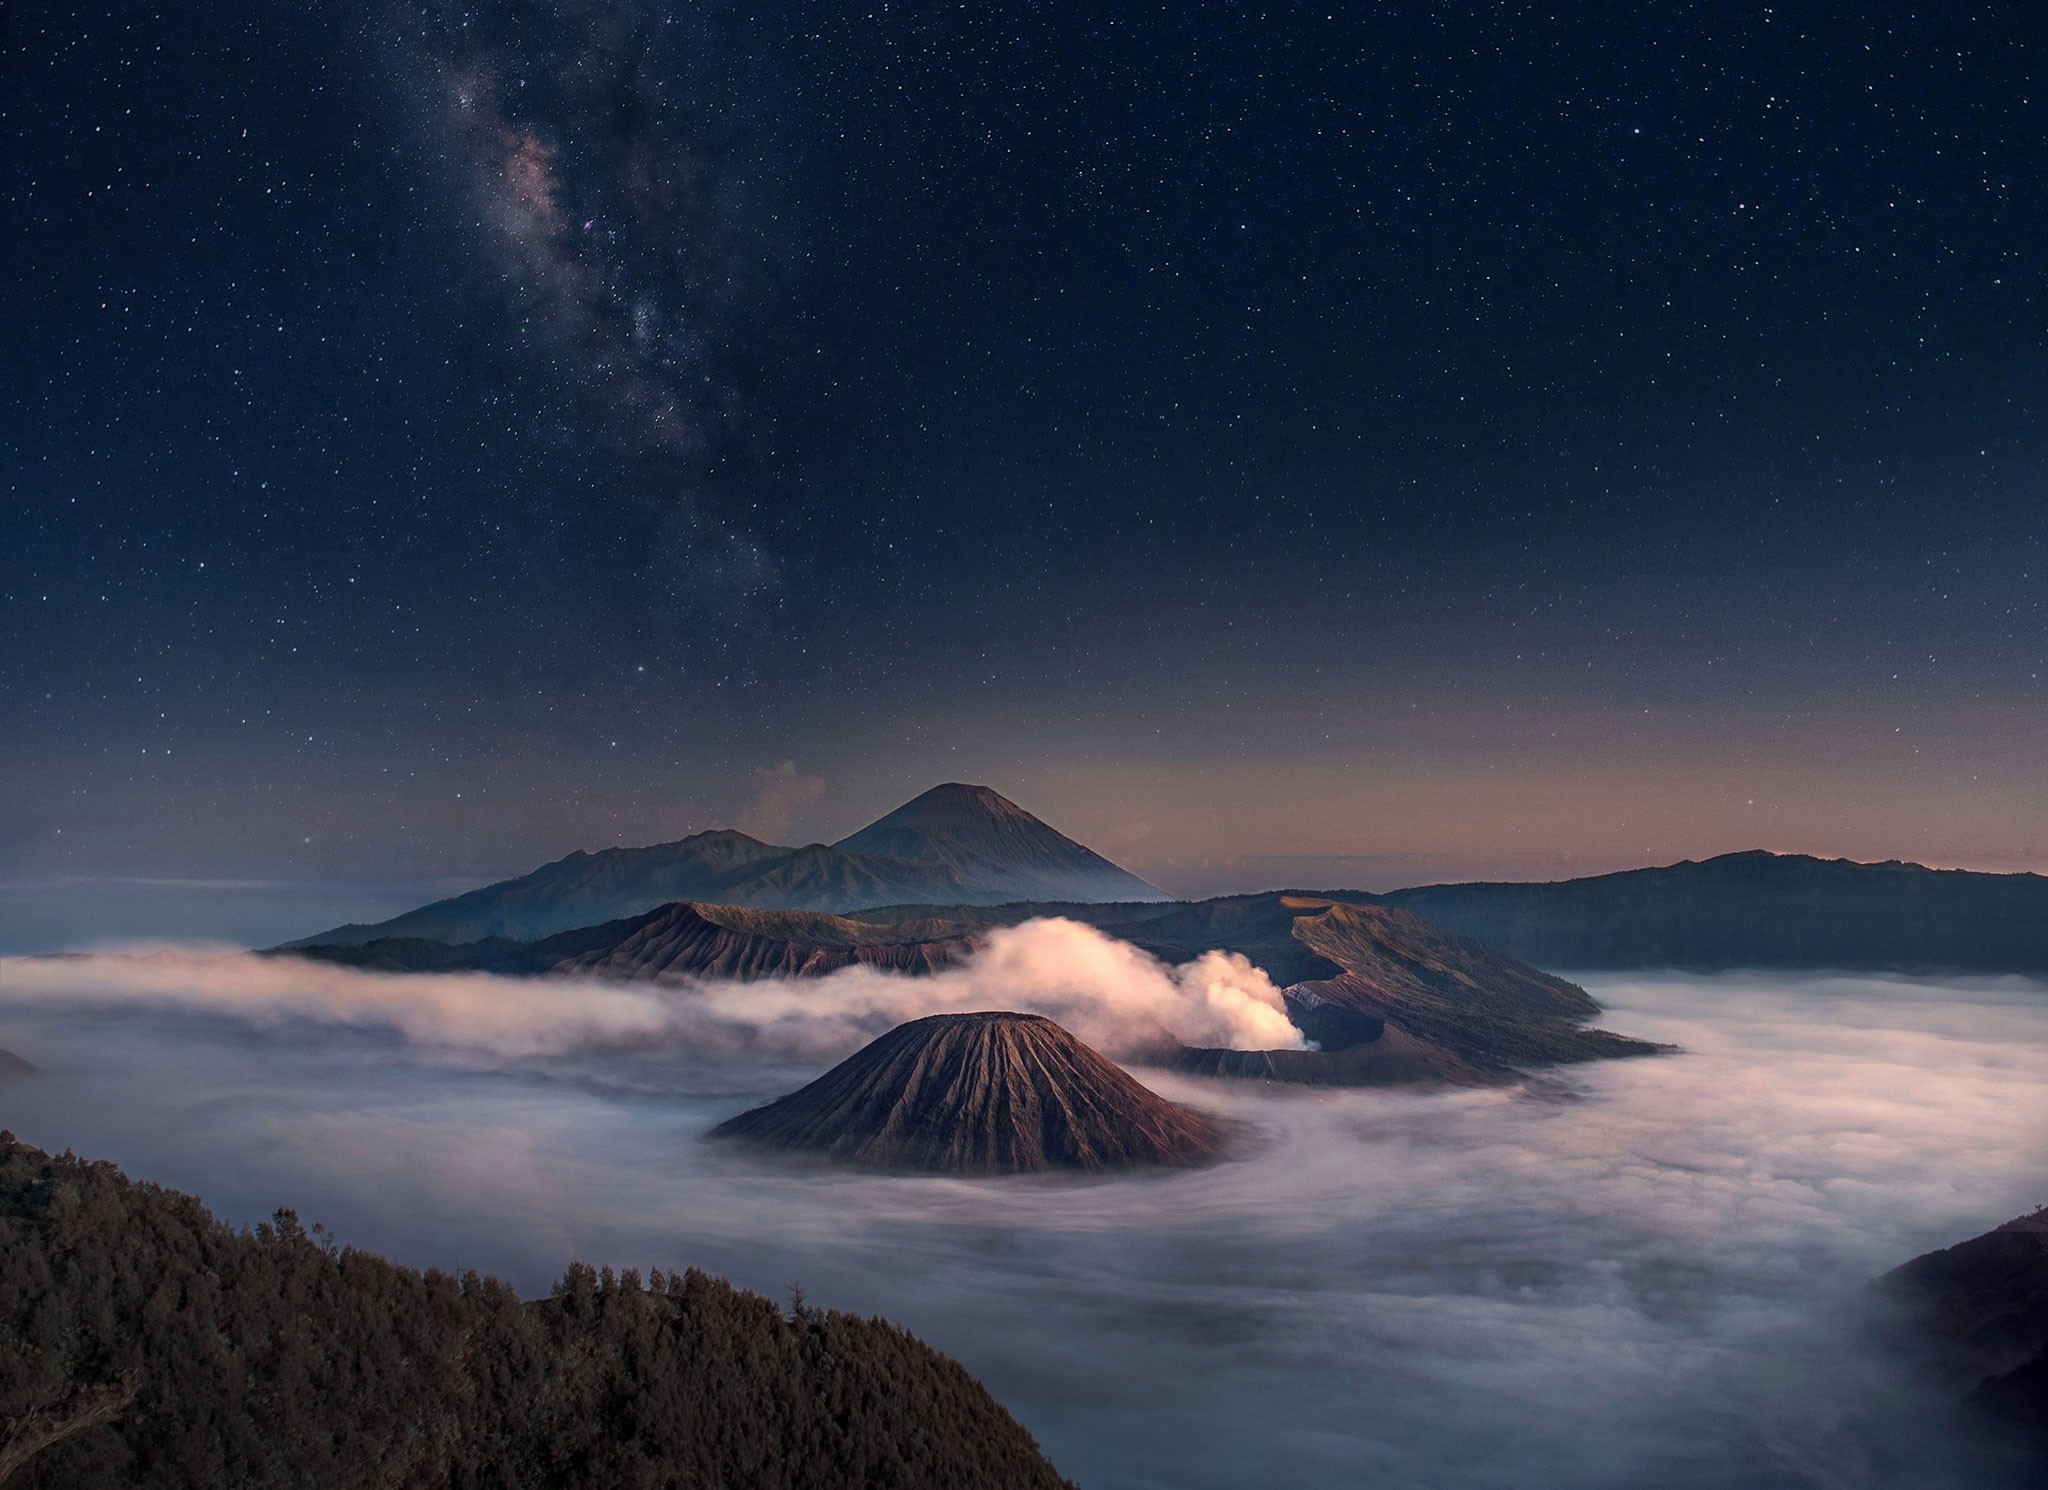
{"points": [[1629, 1274]]}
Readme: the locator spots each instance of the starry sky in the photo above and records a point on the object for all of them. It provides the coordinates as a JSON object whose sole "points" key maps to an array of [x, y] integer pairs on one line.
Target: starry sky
{"points": [[1333, 445]]}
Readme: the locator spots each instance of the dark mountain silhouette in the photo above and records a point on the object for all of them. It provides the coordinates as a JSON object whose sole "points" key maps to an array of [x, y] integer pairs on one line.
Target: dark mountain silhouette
{"points": [[954, 844], [995, 847], [992, 1093], [150, 1346], [13, 1065], [1758, 909], [1751, 909], [719, 867], [678, 941], [1982, 1305], [1438, 1006]]}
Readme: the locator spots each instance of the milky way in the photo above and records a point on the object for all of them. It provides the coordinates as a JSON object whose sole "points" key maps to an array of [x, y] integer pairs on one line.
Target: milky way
{"points": [[618, 253]]}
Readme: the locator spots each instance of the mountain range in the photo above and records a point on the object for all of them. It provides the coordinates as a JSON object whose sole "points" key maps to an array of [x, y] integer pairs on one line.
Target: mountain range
{"points": [[961, 855], [956, 844], [1750, 909]]}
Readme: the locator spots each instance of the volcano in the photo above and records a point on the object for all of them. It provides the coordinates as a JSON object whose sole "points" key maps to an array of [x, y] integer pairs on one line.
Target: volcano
{"points": [[992, 1093]]}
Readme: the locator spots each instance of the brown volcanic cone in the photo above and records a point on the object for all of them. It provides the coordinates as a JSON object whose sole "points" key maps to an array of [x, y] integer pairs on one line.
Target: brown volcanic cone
{"points": [[980, 1094]]}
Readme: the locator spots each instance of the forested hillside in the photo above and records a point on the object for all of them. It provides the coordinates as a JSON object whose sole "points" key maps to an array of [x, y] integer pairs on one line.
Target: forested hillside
{"points": [[145, 1343]]}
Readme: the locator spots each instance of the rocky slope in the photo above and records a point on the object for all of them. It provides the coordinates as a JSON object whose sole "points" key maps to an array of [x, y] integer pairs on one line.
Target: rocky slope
{"points": [[990, 1093]]}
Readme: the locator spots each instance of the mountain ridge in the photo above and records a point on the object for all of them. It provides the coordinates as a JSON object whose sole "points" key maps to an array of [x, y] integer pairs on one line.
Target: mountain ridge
{"points": [[1755, 908]]}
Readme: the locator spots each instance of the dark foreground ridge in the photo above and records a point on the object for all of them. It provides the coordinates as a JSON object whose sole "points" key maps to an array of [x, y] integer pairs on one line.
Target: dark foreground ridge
{"points": [[992, 1093], [149, 1345], [1981, 1309]]}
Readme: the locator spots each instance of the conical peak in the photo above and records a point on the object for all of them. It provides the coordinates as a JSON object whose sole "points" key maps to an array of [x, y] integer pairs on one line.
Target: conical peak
{"points": [[982, 1093], [956, 802]]}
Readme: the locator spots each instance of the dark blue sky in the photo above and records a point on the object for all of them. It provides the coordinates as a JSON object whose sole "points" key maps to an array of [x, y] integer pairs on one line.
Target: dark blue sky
{"points": [[1450, 439]]}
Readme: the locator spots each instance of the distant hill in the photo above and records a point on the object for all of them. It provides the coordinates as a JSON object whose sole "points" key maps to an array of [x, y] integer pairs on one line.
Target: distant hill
{"points": [[991, 1093], [995, 847], [13, 1065], [1388, 997], [152, 1347], [678, 941], [1757, 909], [1752, 909], [953, 845], [1983, 1307]]}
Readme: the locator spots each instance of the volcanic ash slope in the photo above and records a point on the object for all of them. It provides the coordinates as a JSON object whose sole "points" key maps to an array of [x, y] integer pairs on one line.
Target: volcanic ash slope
{"points": [[992, 1093]]}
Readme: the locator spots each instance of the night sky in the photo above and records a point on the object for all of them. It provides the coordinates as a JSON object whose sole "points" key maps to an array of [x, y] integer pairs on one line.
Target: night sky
{"points": [[1331, 445]]}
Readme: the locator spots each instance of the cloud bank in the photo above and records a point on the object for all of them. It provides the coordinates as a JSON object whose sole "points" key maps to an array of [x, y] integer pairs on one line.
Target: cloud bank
{"points": [[1109, 993], [1628, 1274]]}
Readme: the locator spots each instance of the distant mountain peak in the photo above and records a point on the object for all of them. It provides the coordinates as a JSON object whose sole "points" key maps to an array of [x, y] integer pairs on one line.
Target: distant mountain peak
{"points": [[994, 845], [958, 800]]}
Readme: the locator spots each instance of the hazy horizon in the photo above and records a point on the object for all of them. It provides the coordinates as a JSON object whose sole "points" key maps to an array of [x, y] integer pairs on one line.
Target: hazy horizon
{"points": [[73, 912]]}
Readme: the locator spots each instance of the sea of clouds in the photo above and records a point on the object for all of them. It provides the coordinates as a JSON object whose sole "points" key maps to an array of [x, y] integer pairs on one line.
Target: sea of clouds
{"points": [[1644, 1272], [1112, 995]]}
